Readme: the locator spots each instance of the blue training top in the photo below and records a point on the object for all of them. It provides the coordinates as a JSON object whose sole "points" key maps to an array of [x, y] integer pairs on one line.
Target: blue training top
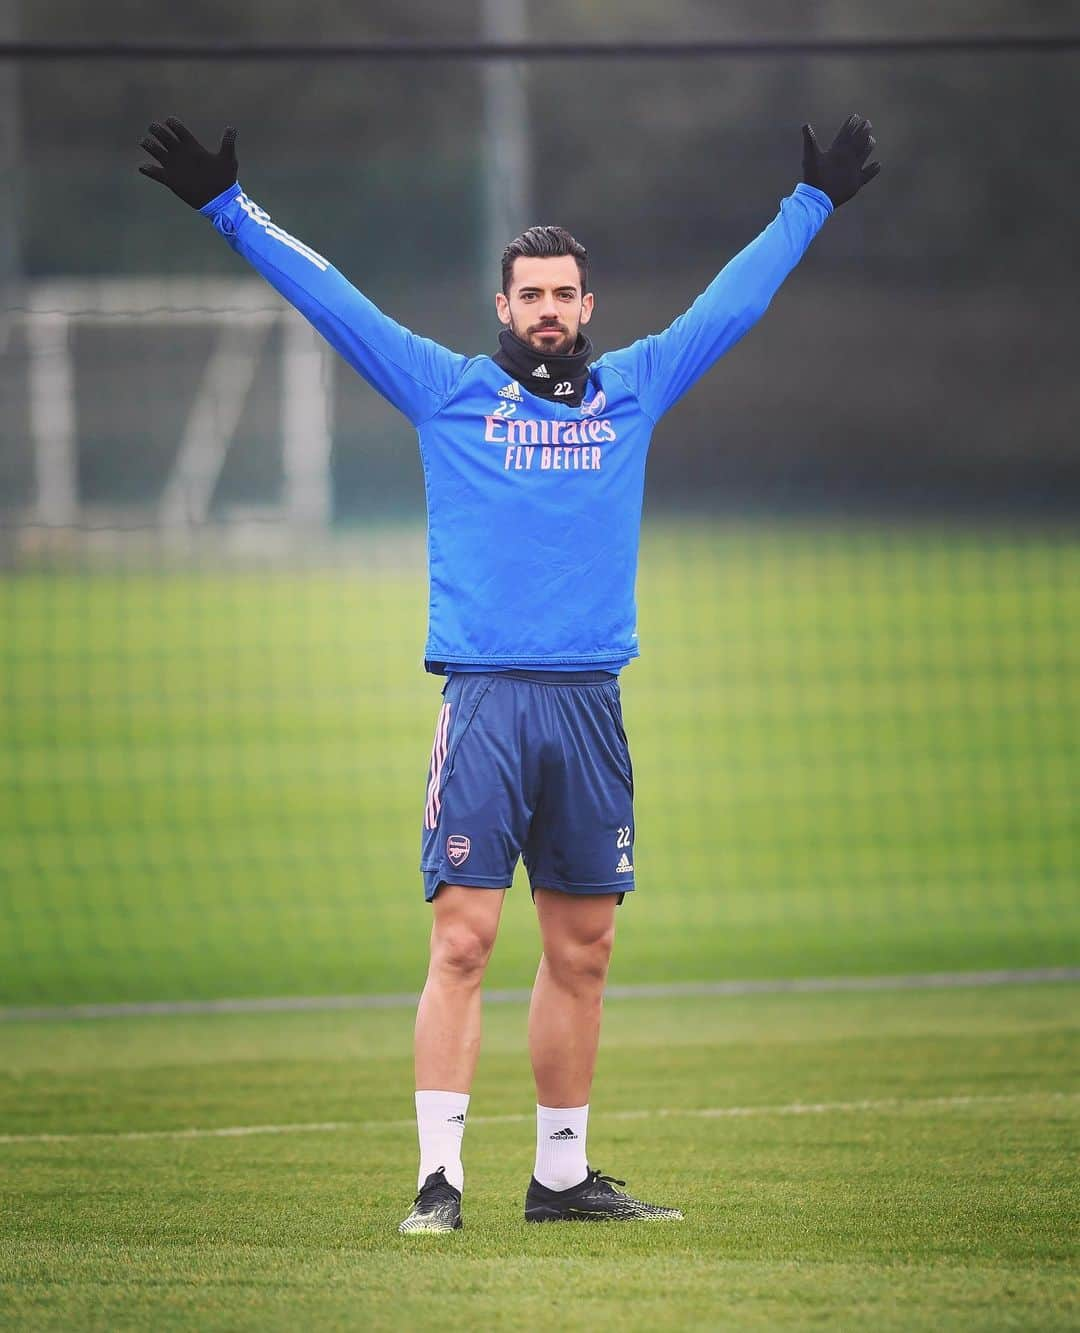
{"points": [[534, 507]]}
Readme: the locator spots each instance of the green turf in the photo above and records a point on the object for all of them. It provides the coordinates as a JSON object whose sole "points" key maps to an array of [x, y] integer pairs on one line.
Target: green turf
{"points": [[855, 748], [917, 1212]]}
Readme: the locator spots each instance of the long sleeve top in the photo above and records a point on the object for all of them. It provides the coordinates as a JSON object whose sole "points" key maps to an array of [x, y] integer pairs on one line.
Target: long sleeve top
{"points": [[534, 507]]}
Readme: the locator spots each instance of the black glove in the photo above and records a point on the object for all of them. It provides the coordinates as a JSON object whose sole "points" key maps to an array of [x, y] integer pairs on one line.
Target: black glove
{"points": [[187, 168], [840, 171]]}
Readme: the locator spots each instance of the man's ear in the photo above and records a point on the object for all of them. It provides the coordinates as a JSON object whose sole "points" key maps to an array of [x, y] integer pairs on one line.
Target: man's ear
{"points": [[587, 303], [502, 308]]}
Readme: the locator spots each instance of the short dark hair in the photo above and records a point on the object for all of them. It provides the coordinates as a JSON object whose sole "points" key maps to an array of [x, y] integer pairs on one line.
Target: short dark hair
{"points": [[544, 243]]}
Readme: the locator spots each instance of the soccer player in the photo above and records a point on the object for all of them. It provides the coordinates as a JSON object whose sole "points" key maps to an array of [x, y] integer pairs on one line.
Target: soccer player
{"points": [[534, 465]]}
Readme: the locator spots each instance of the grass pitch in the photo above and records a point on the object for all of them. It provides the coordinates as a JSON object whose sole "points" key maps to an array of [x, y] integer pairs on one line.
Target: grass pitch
{"points": [[886, 1161], [855, 750]]}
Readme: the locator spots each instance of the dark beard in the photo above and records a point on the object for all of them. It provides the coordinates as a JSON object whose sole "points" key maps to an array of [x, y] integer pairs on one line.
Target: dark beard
{"points": [[561, 348]]}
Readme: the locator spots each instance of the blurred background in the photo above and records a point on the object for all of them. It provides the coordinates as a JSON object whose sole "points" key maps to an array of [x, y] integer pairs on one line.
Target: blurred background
{"points": [[854, 720]]}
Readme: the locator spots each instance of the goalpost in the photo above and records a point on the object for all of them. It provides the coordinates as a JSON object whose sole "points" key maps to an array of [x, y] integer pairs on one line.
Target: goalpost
{"points": [[238, 314]]}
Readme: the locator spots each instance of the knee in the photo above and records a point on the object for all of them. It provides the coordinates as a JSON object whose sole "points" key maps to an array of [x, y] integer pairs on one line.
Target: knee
{"points": [[461, 951], [582, 961]]}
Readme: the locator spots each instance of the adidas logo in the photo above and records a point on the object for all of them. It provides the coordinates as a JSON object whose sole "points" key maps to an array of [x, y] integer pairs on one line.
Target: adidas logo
{"points": [[512, 391], [541, 373], [458, 1119], [624, 867], [567, 1133]]}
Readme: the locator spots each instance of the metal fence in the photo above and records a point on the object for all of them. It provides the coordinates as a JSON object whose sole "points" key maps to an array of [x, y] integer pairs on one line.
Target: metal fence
{"points": [[854, 720]]}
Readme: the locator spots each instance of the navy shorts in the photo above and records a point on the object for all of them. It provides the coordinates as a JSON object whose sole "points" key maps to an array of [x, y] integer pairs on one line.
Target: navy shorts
{"points": [[532, 764]]}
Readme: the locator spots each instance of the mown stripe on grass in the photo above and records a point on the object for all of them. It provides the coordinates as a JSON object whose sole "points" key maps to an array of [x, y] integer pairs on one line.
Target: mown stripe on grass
{"points": [[664, 990], [879, 1104]]}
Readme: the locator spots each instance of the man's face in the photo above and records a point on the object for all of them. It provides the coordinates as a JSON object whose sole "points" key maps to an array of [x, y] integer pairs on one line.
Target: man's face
{"points": [[546, 306]]}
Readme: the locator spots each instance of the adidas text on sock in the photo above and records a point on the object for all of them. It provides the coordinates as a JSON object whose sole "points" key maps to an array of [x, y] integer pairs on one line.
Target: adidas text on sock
{"points": [[560, 1146], [440, 1125]]}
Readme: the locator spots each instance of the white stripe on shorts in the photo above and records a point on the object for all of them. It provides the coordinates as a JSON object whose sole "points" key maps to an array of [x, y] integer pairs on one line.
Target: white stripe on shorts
{"points": [[438, 755]]}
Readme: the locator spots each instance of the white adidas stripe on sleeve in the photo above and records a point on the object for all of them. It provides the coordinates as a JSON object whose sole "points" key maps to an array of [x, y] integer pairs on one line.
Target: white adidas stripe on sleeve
{"points": [[272, 230]]}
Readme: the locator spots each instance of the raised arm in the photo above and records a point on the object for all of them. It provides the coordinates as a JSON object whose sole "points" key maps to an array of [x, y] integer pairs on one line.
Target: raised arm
{"points": [[660, 368], [415, 374]]}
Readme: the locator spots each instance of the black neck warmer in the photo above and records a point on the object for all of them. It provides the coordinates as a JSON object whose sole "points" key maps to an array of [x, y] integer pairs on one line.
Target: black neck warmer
{"points": [[546, 376]]}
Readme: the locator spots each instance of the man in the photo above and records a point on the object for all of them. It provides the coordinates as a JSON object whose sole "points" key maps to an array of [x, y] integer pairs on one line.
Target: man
{"points": [[534, 463]]}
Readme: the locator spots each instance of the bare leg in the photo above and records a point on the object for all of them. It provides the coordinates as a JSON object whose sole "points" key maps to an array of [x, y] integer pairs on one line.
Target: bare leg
{"points": [[448, 1018], [567, 998]]}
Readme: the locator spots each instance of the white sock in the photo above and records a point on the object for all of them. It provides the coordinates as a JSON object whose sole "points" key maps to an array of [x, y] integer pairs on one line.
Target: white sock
{"points": [[440, 1123], [560, 1146]]}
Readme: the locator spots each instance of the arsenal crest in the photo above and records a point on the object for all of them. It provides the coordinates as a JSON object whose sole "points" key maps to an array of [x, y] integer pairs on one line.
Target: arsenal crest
{"points": [[457, 848]]}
